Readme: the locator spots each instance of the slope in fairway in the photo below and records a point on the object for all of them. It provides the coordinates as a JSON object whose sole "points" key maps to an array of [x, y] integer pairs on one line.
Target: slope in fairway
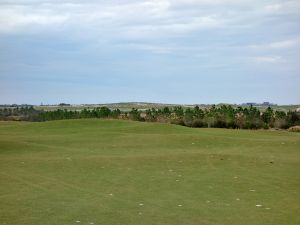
{"points": [[112, 172]]}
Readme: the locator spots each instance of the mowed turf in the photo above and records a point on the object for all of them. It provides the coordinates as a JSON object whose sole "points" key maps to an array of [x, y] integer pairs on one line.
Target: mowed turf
{"points": [[112, 172]]}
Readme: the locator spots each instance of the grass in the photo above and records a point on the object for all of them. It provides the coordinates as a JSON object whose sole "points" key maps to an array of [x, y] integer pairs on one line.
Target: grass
{"points": [[112, 172]]}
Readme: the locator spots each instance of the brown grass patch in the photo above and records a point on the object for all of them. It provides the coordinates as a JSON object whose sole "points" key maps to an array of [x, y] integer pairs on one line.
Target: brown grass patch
{"points": [[294, 129]]}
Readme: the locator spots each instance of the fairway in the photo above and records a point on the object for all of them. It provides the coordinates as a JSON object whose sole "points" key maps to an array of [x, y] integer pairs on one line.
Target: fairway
{"points": [[114, 172]]}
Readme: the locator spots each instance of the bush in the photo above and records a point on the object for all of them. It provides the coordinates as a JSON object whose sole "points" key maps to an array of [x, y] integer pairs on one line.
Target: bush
{"points": [[178, 122], [198, 123]]}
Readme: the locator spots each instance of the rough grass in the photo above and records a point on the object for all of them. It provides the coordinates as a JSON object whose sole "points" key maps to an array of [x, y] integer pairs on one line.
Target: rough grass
{"points": [[114, 172]]}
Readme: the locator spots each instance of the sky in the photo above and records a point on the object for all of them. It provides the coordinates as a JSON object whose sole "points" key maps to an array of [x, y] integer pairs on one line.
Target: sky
{"points": [[167, 51]]}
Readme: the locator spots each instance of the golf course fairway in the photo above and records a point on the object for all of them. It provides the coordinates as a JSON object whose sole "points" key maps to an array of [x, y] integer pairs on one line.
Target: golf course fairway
{"points": [[115, 172]]}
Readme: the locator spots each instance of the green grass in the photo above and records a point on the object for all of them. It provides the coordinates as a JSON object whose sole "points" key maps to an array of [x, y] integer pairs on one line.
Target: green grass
{"points": [[111, 172]]}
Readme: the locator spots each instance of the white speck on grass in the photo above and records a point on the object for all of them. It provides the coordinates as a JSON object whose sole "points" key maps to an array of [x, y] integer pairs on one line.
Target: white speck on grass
{"points": [[77, 221], [179, 175], [170, 170], [91, 223], [111, 194], [177, 180], [237, 199], [268, 208], [235, 177], [141, 204], [179, 205], [193, 143], [258, 205], [252, 190], [140, 213], [207, 201]]}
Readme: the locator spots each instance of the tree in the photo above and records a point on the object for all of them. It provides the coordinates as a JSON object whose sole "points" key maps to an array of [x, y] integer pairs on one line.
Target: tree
{"points": [[179, 112], [135, 114], [166, 111], [267, 117], [116, 113]]}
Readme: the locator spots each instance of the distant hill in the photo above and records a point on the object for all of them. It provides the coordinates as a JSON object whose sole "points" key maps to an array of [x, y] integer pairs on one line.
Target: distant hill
{"points": [[127, 106]]}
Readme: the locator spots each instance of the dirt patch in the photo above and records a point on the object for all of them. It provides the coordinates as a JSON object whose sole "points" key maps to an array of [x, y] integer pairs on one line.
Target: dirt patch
{"points": [[294, 129]]}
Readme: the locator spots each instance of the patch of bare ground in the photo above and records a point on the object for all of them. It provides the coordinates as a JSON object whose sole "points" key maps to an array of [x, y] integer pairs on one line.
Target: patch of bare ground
{"points": [[294, 129]]}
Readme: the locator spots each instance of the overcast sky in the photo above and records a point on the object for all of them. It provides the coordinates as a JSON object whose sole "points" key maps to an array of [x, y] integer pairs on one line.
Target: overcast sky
{"points": [[172, 51]]}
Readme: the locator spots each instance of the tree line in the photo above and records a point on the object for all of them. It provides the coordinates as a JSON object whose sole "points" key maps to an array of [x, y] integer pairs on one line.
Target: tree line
{"points": [[224, 116]]}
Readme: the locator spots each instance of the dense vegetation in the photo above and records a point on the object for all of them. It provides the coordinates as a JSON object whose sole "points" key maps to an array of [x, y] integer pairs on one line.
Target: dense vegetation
{"points": [[224, 116]]}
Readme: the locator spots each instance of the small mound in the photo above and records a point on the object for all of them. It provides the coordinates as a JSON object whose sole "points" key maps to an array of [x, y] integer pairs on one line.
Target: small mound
{"points": [[294, 129]]}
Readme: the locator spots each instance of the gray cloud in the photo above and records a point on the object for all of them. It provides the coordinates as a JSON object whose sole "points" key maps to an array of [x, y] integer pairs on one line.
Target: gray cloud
{"points": [[139, 18]]}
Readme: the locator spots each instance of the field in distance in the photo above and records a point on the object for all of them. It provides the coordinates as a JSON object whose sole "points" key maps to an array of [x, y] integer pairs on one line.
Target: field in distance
{"points": [[114, 172], [127, 106]]}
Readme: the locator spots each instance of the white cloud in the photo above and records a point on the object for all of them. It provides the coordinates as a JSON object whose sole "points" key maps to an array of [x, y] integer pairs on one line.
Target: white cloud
{"points": [[153, 16], [135, 19], [156, 49], [129, 18], [273, 7], [285, 44], [268, 59], [283, 7], [277, 45], [16, 18]]}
